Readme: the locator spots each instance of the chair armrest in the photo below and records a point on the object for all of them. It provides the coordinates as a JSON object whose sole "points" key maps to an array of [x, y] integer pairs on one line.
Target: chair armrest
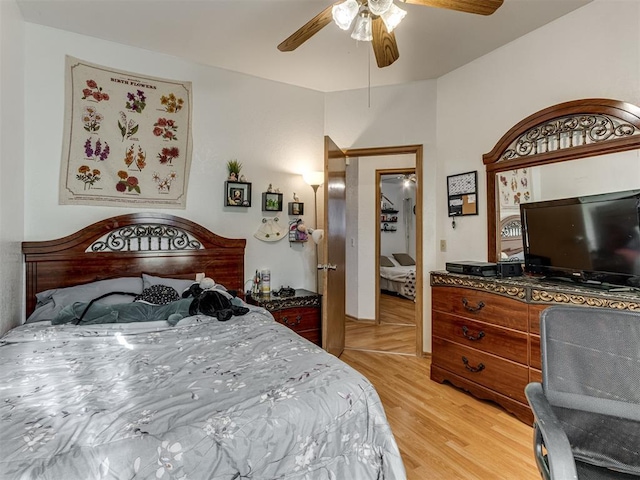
{"points": [[561, 464]]}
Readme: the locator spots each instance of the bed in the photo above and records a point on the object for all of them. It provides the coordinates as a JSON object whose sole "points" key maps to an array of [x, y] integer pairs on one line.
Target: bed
{"points": [[398, 275], [202, 398]]}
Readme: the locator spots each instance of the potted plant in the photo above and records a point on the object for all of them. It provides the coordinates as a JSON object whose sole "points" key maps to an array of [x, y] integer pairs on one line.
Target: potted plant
{"points": [[234, 168]]}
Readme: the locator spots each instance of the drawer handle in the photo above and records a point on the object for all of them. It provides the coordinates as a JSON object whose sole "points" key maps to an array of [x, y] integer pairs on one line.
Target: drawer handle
{"points": [[295, 323], [477, 369], [465, 333], [480, 306]]}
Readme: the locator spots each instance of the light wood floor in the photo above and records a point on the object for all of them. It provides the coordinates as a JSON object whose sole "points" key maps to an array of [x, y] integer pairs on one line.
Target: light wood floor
{"points": [[442, 432], [396, 332], [397, 310]]}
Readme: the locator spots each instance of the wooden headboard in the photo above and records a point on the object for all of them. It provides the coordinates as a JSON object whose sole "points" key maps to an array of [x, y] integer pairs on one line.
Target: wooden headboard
{"points": [[129, 245], [511, 235]]}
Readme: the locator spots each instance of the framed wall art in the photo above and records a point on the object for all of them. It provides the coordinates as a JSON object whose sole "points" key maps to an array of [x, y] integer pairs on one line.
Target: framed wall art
{"points": [[237, 194], [462, 194], [271, 202], [296, 208]]}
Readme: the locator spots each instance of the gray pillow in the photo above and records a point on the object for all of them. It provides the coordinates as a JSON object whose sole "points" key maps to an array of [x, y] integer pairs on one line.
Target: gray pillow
{"points": [[51, 302], [386, 261], [404, 259]]}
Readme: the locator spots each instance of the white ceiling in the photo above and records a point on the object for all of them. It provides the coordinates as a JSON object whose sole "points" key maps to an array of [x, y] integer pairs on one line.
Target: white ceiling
{"points": [[242, 35]]}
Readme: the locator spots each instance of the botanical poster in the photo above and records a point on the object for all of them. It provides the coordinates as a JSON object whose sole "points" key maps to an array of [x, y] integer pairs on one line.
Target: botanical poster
{"points": [[515, 188], [127, 138]]}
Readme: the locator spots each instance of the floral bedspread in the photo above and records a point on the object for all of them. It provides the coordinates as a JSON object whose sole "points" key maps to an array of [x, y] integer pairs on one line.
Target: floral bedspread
{"points": [[243, 399]]}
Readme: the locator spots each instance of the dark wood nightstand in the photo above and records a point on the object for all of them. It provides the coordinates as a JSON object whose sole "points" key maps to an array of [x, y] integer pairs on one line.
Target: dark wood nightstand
{"points": [[300, 312]]}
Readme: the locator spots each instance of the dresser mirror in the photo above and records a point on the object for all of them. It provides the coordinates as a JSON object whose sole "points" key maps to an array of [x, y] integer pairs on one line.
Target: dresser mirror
{"points": [[575, 148]]}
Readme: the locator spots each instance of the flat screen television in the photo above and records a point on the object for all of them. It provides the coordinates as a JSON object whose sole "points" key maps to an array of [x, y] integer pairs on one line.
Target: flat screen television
{"points": [[592, 240]]}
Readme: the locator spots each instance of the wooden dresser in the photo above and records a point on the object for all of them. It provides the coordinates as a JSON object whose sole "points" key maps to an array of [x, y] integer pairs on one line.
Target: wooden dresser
{"points": [[486, 332], [300, 312]]}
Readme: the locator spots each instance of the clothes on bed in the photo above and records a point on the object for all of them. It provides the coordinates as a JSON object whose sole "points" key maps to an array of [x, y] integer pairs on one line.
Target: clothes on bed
{"points": [[247, 398], [122, 312]]}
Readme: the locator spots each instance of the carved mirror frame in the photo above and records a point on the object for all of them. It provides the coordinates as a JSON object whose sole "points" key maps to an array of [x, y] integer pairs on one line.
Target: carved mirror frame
{"points": [[563, 132]]}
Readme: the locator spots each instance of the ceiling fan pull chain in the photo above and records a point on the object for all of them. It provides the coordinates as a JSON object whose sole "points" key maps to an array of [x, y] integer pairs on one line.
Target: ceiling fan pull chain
{"points": [[369, 78]]}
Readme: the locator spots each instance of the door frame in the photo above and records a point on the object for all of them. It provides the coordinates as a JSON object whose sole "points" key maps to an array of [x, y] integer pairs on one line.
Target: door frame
{"points": [[417, 151]]}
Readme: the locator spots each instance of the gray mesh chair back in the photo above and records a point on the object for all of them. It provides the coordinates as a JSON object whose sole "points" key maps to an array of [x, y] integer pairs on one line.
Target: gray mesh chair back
{"points": [[591, 382]]}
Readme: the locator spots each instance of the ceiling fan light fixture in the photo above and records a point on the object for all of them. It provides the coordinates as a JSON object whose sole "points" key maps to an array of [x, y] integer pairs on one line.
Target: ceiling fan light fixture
{"points": [[362, 30], [344, 13], [392, 17], [378, 7]]}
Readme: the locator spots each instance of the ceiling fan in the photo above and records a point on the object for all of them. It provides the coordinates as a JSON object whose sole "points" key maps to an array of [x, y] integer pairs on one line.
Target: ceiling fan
{"points": [[375, 21]]}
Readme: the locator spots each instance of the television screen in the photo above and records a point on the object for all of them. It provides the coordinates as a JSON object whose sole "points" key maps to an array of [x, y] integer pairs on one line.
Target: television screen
{"points": [[593, 239]]}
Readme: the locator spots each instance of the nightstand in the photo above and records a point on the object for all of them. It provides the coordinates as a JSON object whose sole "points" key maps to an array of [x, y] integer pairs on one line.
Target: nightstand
{"points": [[300, 312]]}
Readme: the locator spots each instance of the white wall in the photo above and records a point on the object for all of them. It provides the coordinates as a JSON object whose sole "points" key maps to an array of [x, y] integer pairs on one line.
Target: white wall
{"points": [[274, 129], [396, 115], [592, 52], [12, 177]]}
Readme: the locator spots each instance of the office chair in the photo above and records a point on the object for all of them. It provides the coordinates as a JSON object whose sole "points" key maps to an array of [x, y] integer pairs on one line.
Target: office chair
{"points": [[587, 408]]}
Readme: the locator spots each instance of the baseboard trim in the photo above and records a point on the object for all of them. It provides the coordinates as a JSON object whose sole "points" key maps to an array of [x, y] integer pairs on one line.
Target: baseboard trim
{"points": [[354, 319]]}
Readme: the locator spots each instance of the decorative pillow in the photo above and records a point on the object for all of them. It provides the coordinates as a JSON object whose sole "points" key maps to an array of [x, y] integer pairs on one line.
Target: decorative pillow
{"points": [[404, 259], [50, 302], [178, 284], [386, 261], [158, 295]]}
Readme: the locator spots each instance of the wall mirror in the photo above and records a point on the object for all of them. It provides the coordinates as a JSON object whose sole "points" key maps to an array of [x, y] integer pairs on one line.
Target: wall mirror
{"points": [[576, 148]]}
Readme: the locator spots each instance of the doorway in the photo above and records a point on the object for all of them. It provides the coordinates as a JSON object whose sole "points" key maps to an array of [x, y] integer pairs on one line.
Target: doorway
{"points": [[363, 279]]}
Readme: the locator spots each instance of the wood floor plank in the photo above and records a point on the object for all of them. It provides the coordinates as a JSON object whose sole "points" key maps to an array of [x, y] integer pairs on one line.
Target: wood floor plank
{"points": [[385, 337], [443, 432], [397, 310]]}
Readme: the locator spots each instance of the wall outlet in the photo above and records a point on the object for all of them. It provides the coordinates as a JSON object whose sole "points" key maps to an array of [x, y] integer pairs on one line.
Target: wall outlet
{"points": [[443, 245]]}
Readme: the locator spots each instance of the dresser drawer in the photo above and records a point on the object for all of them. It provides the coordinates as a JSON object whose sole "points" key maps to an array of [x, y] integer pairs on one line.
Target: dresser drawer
{"points": [[535, 360], [535, 375], [534, 317], [482, 306], [500, 375], [299, 319], [503, 342]]}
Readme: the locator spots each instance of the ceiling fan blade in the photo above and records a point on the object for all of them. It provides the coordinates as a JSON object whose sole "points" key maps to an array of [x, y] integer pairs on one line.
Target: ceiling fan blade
{"points": [[307, 31], [384, 44], [481, 7]]}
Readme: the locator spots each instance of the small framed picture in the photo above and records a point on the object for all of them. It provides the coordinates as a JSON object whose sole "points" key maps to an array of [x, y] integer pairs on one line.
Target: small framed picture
{"points": [[271, 202], [462, 194], [296, 208], [237, 194]]}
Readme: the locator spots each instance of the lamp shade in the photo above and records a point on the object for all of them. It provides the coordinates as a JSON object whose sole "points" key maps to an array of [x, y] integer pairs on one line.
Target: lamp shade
{"points": [[362, 30], [378, 7], [344, 13], [393, 17], [316, 235], [313, 178]]}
